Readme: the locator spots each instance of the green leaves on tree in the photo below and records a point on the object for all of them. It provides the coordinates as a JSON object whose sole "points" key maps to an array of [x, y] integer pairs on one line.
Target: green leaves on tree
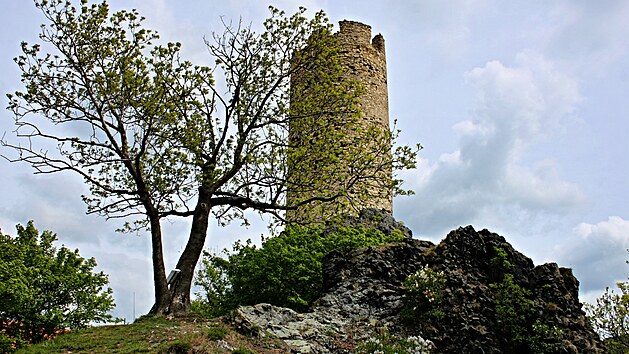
{"points": [[285, 271], [155, 136], [45, 289]]}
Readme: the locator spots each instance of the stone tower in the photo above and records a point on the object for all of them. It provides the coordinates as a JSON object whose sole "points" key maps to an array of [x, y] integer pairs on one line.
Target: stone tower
{"points": [[363, 59]]}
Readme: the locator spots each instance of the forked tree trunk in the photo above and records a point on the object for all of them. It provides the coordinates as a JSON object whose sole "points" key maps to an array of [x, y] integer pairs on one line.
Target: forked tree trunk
{"points": [[176, 299], [180, 301]]}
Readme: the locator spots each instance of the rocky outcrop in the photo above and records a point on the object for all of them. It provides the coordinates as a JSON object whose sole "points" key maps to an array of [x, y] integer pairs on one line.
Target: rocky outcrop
{"points": [[363, 295], [378, 219], [306, 333], [471, 324]]}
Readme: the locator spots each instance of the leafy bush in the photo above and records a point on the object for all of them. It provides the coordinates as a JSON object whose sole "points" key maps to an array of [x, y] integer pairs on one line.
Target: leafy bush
{"points": [[44, 290], [422, 296], [176, 347], [9, 344], [386, 343], [610, 318], [216, 333], [285, 271], [513, 310], [516, 315], [212, 277]]}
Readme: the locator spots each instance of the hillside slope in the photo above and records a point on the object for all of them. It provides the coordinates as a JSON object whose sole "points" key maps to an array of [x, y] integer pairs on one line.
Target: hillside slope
{"points": [[471, 293]]}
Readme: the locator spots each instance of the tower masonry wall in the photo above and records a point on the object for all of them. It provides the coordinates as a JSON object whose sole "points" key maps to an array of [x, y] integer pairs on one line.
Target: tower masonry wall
{"points": [[363, 59]]}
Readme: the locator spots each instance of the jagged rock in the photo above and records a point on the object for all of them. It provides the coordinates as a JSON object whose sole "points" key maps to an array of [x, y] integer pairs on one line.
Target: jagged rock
{"points": [[378, 219], [306, 333], [363, 294], [320, 331], [366, 283], [470, 324]]}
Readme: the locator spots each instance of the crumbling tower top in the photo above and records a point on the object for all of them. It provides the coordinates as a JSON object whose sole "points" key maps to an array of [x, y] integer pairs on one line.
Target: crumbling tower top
{"points": [[360, 34], [364, 60]]}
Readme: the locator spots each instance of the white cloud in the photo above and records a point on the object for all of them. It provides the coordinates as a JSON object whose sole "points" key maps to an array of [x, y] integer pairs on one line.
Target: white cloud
{"points": [[541, 187], [523, 100], [615, 230], [54, 203], [598, 253], [516, 106]]}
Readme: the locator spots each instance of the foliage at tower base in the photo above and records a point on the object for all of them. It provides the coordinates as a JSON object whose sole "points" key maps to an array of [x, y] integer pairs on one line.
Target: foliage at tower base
{"points": [[45, 290], [285, 271], [155, 137]]}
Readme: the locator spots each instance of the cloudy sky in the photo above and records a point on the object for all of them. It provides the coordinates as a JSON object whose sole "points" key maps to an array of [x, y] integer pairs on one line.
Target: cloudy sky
{"points": [[521, 107]]}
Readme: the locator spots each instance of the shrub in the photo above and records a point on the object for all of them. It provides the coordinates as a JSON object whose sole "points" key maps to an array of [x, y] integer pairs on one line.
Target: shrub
{"points": [[213, 279], [422, 296], [386, 343], [516, 317], [176, 347], [216, 333], [285, 271], [513, 310], [9, 344], [610, 318], [44, 289]]}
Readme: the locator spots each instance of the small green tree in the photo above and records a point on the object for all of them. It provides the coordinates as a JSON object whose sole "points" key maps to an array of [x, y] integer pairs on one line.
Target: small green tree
{"points": [[610, 318], [44, 289], [522, 330], [423, 295]]}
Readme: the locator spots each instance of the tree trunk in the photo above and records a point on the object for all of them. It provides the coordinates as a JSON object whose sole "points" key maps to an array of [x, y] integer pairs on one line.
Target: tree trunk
{"points": [[162, 293], [180, 300]]}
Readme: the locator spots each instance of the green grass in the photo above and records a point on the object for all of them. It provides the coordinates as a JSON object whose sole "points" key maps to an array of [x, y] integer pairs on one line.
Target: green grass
{"points": [[242, 351], [217, 333], [144, 336], [158, 335]]}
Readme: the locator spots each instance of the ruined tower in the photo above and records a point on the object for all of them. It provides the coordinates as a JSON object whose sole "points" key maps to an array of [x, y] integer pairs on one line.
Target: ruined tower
{"points": [[363, 60]]}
